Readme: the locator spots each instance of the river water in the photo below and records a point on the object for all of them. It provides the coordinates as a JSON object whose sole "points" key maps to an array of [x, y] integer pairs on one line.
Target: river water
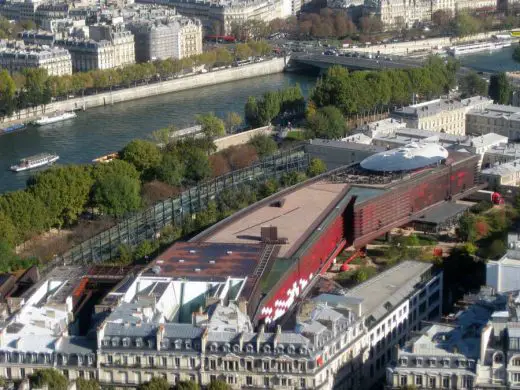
{"points": [[103, 130]]}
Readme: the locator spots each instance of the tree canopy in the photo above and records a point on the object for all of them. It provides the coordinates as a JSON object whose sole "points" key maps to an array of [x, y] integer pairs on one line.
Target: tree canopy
{"points": [[54, 379], [218, 385], [212, 126], [328, 123], [117, 195], [156, 383], [473, 85], [316, 167], [499, 88], [142, 154], [264, 145]]}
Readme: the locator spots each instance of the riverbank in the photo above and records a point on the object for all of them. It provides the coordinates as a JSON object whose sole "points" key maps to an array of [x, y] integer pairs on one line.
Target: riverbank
{"points": [[264, 68], [424, 45]]}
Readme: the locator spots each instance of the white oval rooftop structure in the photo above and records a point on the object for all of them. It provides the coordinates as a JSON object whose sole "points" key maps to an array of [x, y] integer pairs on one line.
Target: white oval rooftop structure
{"points": [[406, 158]]}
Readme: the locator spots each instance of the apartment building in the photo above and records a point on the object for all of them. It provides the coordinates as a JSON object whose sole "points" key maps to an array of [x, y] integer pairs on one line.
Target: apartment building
{"points": [[220, 16], [156, 323], [455, 354], [441, 115], [500, 175], [108, 49], [494, 118], [406, 14], [56, 61]]}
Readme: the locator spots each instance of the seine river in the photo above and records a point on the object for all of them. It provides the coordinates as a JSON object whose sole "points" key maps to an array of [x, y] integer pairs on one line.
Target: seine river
{"points": [[102, 130]]}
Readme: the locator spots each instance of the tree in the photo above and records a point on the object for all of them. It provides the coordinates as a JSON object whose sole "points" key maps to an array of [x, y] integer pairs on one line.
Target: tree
{"points": [[7, 94], [7, 229], [185, 385], [144, 249], [49, 377], [442, 18], [116, 167], [233, 121], [267, 188], [64, 191], [251, 110], [162, 136], [242, 51], [466, 228], [171, 170], [156, 383], [499, 88], [264, 145], [212, 126], [316, 167], [197, 165], [328, 123], [142, 154], [27, 212], [218, 385], [473, 85], [84, 384], [363, 273], [117, 195], [241, 156], [466, 24]]}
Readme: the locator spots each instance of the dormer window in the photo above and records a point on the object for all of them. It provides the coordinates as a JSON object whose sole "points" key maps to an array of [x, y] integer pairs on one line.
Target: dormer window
{"points": [[188, 344], [214, 348], [236, 348], [126, 342], [226, 347], [165, 343], [462, 363], [139, 342], [151, 343], [106, 342], [418, 361], [445, 363], [290, 349], [249, 348], [115, 342], [433, 362], [267, 349], [178, 344], [280, 349], [303, 351], [403, 361]]}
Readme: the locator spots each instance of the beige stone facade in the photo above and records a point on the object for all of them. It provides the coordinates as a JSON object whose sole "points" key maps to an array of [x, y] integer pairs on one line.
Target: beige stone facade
{"points": [[56, 61]]}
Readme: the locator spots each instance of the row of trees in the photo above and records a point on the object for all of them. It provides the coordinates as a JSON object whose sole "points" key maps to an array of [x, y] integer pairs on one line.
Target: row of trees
{"points": [[34, 87], [359, 92], [144, 174], [288, 101]]}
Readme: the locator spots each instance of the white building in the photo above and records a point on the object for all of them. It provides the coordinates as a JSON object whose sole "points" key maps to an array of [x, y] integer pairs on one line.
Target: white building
{"points": [[106, 50], [451, 355], [499, 175], [56, 61], [495, 118], [504, 275], [441, 115], [177, 37]]}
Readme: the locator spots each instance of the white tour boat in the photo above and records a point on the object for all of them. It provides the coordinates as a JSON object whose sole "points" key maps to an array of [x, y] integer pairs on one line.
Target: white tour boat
{"points": [[478, 47], [36, 161], [46, 120]]}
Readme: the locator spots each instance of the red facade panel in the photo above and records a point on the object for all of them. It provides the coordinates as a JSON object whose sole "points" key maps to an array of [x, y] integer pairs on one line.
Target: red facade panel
{"points": [[297, 278]]}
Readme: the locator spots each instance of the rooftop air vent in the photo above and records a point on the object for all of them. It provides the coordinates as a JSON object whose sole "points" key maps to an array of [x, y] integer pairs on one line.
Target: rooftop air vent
{"points": [[181, 260], [193, 251], [229, 252], [212, 261], [156, 269], [197, 269]]}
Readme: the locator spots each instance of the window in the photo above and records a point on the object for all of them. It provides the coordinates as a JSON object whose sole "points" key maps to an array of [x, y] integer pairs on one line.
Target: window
{"points": [[249, 380], [467, 382], [192, 362], [418, 361], [404, 380], [138, 360], [165, 362], [302, 382], [110, 359], [418, 380], [177, 362], [212, 364], [266, 366], [516, 377], [266, 381], [516, 362], [433, 383], [446, 382], [150, 360]]}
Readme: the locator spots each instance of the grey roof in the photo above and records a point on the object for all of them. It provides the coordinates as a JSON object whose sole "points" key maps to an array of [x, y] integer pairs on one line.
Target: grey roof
{"points": [[76, 345], [440, 213], [508, 168], [436, 106], [182, 331], [347, 145], [393, 286], [132, 330]]}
